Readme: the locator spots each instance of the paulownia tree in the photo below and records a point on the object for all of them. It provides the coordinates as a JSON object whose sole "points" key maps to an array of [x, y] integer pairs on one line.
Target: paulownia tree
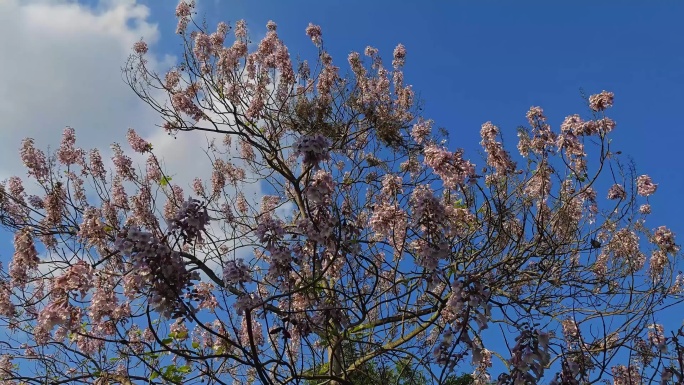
{"points": [[375, 249]]}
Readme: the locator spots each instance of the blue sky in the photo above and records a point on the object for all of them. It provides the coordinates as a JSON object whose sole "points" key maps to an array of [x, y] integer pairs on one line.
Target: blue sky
{"points": [[472, 62]]}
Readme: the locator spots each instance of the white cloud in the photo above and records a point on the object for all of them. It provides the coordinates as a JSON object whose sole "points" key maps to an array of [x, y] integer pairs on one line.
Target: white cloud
{"points": [[62, 67]]}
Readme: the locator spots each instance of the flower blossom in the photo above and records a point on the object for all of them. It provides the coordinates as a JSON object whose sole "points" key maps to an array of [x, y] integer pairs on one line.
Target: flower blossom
{"points": [[137, 143], [314, 149], [34, 160], [191, 220], [449, 166], [321, 189], [140, 47], [421, 130], [616, 191], [25, 259], [67, 154], [645, 186], [664, 238], [236, 272], [497, 156], [599, 102], [314, 33], [183, 12]]}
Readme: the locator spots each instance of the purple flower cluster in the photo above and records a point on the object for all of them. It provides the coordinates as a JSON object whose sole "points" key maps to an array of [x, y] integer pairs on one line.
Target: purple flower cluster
{"points": [[191, 220], [236, 272], [314, 149], [161, 270]]}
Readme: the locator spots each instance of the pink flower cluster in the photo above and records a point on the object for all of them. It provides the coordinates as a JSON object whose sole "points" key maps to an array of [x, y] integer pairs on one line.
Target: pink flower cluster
{"points": [[428, 254], [7, 308], [67, 154], [137, 143], [321, 189], [55, 205], [203, 293], [314, 33], [78, 278], [616, 191], [664, 239], [25, 259], [399, 56], [326, 80], [539, 185], [599, 102], [246, 302], [449, 166], [256, 331], [570, 330], [442, 352], [140, 47], [122, 163], [497, 156], [92, 229], [543, 139], [319, 225], [183, 12], [34, 160], [96, 167], [574, 124], [16, 206], [421, 130], [388, 218], [656, 336], [645, 186], [104, 305], [625, 248], [183, 101], [623, 375], [6, 368], [657, 264], [391, 187]]}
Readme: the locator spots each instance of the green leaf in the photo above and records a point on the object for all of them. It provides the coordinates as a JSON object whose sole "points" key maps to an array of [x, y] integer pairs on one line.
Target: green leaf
{"points": [[164, 181], [154, 375], [167, 341], [219, 91], [185, 369], [195, 345]]}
